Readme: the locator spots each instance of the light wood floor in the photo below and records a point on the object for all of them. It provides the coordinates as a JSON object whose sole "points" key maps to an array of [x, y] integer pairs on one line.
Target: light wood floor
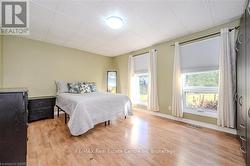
{"points": [[140, 140]]}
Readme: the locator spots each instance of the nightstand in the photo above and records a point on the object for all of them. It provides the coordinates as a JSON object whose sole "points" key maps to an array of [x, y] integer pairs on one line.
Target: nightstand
{"points": [[41, 108]]}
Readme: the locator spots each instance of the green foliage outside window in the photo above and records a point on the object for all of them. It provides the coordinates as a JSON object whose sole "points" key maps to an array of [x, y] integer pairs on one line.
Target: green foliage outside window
{"points": [[208, 79], [198, 97]]}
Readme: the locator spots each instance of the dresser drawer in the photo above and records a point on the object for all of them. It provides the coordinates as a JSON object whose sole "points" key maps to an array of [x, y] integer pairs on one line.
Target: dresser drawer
{"points": [[41, 113], [38, 103], [41, 108]]}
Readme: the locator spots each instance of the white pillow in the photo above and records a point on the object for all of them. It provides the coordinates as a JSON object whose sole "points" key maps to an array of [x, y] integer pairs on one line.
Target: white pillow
{"points": [[62, 87]]}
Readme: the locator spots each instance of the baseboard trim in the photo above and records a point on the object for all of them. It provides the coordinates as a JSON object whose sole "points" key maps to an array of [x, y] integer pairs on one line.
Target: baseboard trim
{"points": [[189, 121]]}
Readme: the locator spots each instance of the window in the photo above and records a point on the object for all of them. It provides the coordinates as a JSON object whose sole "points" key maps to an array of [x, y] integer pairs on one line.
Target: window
{"points": [[199, 66], [140, 83], [141, 87], [200, 92]]}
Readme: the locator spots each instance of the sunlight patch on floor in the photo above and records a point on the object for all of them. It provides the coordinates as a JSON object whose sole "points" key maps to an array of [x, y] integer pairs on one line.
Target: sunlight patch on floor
{"points": [[139, 132]]}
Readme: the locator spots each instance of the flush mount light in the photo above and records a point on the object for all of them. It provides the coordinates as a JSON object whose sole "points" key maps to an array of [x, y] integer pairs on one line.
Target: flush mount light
{"points": [[114, 22]]}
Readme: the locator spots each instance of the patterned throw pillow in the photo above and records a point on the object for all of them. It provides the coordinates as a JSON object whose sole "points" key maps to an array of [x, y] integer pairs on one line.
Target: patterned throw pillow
{"points": [[85, 87], [92, 87], [74, 87]]}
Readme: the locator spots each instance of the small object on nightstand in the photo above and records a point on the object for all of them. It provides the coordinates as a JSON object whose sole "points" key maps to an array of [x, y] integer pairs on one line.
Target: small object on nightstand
{"points": [[41, 108]]}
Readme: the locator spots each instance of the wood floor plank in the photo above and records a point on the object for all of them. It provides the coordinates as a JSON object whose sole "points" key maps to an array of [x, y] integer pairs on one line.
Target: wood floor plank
{"points": [[142, 139]]}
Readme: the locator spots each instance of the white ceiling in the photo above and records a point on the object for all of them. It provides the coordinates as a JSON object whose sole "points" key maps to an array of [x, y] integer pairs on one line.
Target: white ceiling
{"points": [[80, 23]]}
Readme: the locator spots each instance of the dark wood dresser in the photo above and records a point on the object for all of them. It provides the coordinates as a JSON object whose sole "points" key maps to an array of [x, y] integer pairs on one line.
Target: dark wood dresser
{"points": [[41, 108], [13, 126], [243, 84]]}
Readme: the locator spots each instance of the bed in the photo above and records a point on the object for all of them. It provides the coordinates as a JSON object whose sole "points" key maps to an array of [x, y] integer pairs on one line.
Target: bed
{"points": [[88, 109]]}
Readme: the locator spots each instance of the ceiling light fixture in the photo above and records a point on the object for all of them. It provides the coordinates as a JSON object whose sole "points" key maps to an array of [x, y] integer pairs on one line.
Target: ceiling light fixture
{"points": [[114, 22]]}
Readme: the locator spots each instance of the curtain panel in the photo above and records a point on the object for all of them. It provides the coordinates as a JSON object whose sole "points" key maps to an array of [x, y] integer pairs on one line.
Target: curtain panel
{"points": [[227, 76], [152, 88], [131, 87], [177, 105]]}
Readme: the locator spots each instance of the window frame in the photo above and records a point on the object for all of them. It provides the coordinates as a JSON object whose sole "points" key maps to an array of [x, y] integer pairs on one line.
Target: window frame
{"points": [[197, 89]]}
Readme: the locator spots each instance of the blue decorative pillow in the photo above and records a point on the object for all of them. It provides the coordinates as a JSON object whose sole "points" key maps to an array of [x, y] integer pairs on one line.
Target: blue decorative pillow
{"points": [[92, 87], [74, 87], [85, 87]]}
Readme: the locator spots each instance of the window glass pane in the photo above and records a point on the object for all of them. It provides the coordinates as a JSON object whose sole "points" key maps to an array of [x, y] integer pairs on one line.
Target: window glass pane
{"points": [[208, 79], [200, 91], [143, 83], [141, 88], [208, 101]]}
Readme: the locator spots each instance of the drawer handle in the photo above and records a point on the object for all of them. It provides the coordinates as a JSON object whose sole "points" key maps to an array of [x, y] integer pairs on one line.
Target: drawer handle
{"points": [[242, 138], [242, 126], [242, 150]]}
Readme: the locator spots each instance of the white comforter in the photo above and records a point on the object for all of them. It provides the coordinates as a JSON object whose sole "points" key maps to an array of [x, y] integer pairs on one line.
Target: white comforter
{"points": [[86, 110]]}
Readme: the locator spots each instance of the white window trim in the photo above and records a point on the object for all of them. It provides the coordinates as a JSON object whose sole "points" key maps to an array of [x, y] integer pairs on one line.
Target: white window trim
{"points": [[141, 103], [200, 112], [200, 89], [197, 89]]}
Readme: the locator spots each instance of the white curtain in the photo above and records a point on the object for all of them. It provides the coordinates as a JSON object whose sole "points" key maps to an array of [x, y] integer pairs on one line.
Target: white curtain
{"points": [[227, 65], [177, 106], [131, 73], [152, 87]]}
